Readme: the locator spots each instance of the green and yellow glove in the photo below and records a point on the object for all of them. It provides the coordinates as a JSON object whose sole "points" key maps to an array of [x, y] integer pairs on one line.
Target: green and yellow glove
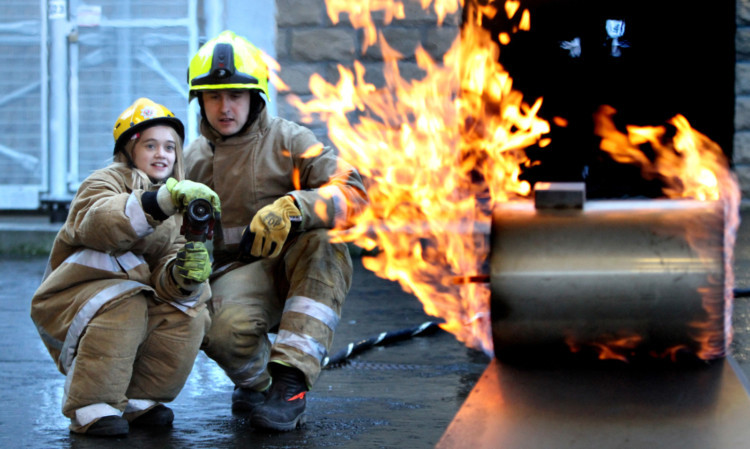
{"points": [[193, 264], [271, 226], [176, 195]]}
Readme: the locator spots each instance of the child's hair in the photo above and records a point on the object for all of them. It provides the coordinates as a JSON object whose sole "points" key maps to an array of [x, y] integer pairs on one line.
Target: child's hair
{"points": [[140, 178]]}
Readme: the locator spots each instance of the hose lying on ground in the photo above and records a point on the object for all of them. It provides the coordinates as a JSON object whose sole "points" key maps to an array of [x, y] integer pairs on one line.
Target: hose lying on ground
{"points": [[339, 358]]}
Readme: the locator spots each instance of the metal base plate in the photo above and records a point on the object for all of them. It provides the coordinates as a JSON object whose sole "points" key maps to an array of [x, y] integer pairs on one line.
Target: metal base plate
{"points": [[513, 407]]}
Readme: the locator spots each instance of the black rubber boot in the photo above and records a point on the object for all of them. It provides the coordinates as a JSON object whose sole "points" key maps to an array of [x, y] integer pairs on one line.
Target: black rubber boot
{"points": [[158, 416], [284, 407], [109, 426], [244, 400]]}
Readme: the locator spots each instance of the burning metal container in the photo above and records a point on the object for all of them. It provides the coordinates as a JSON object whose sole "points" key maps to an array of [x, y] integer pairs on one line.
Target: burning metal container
{"points": [[624, 279], [628, 280]]}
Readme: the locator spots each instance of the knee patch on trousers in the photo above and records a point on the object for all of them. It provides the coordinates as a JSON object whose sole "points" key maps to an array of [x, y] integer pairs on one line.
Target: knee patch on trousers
{"points": [[234, 336]]}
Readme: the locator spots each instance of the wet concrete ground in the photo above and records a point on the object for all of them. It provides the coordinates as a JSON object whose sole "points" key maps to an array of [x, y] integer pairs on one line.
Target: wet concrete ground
{"points": [[402, 395]]}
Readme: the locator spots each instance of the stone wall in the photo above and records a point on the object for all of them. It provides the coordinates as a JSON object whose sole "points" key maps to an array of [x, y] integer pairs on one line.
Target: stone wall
{"points": [[742, 100], [308, 42]]}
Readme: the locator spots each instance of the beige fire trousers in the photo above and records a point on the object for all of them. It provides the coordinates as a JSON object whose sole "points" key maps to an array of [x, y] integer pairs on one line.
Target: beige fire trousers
{"points": [[302, 291], [134, 353]]}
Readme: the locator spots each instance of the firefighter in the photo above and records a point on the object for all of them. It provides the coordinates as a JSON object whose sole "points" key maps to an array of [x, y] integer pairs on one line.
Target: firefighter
{"points": [[274, 263], [122, 305]]}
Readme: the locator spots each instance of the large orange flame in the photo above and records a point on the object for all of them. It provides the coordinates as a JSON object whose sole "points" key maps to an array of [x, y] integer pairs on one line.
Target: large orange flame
{"points": [[689, 164], [436, 154]]}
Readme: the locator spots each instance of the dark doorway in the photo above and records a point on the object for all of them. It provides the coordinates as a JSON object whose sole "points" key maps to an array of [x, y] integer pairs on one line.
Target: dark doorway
{"points": [[674, 57]]}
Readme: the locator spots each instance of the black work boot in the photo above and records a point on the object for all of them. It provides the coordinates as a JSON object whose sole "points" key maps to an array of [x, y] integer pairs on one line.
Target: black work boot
{"points": [[284, 407], [244, 400], [159, 416], [109, 426]]}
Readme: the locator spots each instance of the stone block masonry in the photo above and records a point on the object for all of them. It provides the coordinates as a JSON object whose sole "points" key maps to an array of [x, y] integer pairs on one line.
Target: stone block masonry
{"points": [[308, 42]]}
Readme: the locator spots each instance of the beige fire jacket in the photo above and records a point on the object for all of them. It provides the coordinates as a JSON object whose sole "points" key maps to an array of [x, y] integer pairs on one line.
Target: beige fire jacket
{"points": [[272, 158], [108, 249]]}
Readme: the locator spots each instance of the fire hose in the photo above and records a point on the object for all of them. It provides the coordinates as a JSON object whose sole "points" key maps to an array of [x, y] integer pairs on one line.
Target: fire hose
{"points": [[340, 358]]}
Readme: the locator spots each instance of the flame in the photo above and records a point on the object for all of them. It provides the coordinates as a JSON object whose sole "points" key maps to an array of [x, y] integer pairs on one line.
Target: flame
{"points": [[671, 353], [525, 23], [360, 15], [689, 165], [436, 154], [273, 70], [311, 152], [609, 347], [511, 8]]}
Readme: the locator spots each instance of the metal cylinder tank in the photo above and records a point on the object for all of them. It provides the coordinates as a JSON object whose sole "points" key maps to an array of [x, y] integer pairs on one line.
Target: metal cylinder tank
{"points": [[622, 279]]}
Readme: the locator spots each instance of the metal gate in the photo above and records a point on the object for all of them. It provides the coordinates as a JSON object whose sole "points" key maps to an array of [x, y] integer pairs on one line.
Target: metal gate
{"points": [[119, 51], [71, 67]]}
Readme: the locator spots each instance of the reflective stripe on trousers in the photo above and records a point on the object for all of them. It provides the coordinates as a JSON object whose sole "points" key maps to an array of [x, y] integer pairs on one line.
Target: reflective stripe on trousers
{"points": [[250, 300]]}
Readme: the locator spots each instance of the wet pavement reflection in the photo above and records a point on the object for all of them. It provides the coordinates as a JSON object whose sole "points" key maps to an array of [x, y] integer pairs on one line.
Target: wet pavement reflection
{"points": [[401, 395]]}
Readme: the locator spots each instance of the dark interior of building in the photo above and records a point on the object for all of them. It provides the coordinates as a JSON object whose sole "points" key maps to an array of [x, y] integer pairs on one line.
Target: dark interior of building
{"points": [[672, 57]]}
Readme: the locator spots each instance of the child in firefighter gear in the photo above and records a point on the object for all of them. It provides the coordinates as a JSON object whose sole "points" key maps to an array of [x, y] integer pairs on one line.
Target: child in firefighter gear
{"points": [[122, 306], [274, 263]]}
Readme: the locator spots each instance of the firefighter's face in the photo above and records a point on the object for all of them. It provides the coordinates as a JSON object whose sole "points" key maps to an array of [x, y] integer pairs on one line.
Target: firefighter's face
{"points": [[227, 110], [155, 151]]}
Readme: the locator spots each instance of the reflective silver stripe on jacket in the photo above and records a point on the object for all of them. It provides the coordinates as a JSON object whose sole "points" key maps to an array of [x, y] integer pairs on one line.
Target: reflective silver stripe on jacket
{"points": [[129, 260], [232, 236], [98, 260], [340, 207], [138, 221], [184, 304], [304, 343], [314, 309], [48, 339], [85, 314], [102, 261], [94, 259]]}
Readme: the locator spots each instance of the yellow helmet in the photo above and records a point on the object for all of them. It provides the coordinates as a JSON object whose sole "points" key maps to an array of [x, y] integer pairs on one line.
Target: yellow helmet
{"points": [[142, 114], [228, 61]]}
